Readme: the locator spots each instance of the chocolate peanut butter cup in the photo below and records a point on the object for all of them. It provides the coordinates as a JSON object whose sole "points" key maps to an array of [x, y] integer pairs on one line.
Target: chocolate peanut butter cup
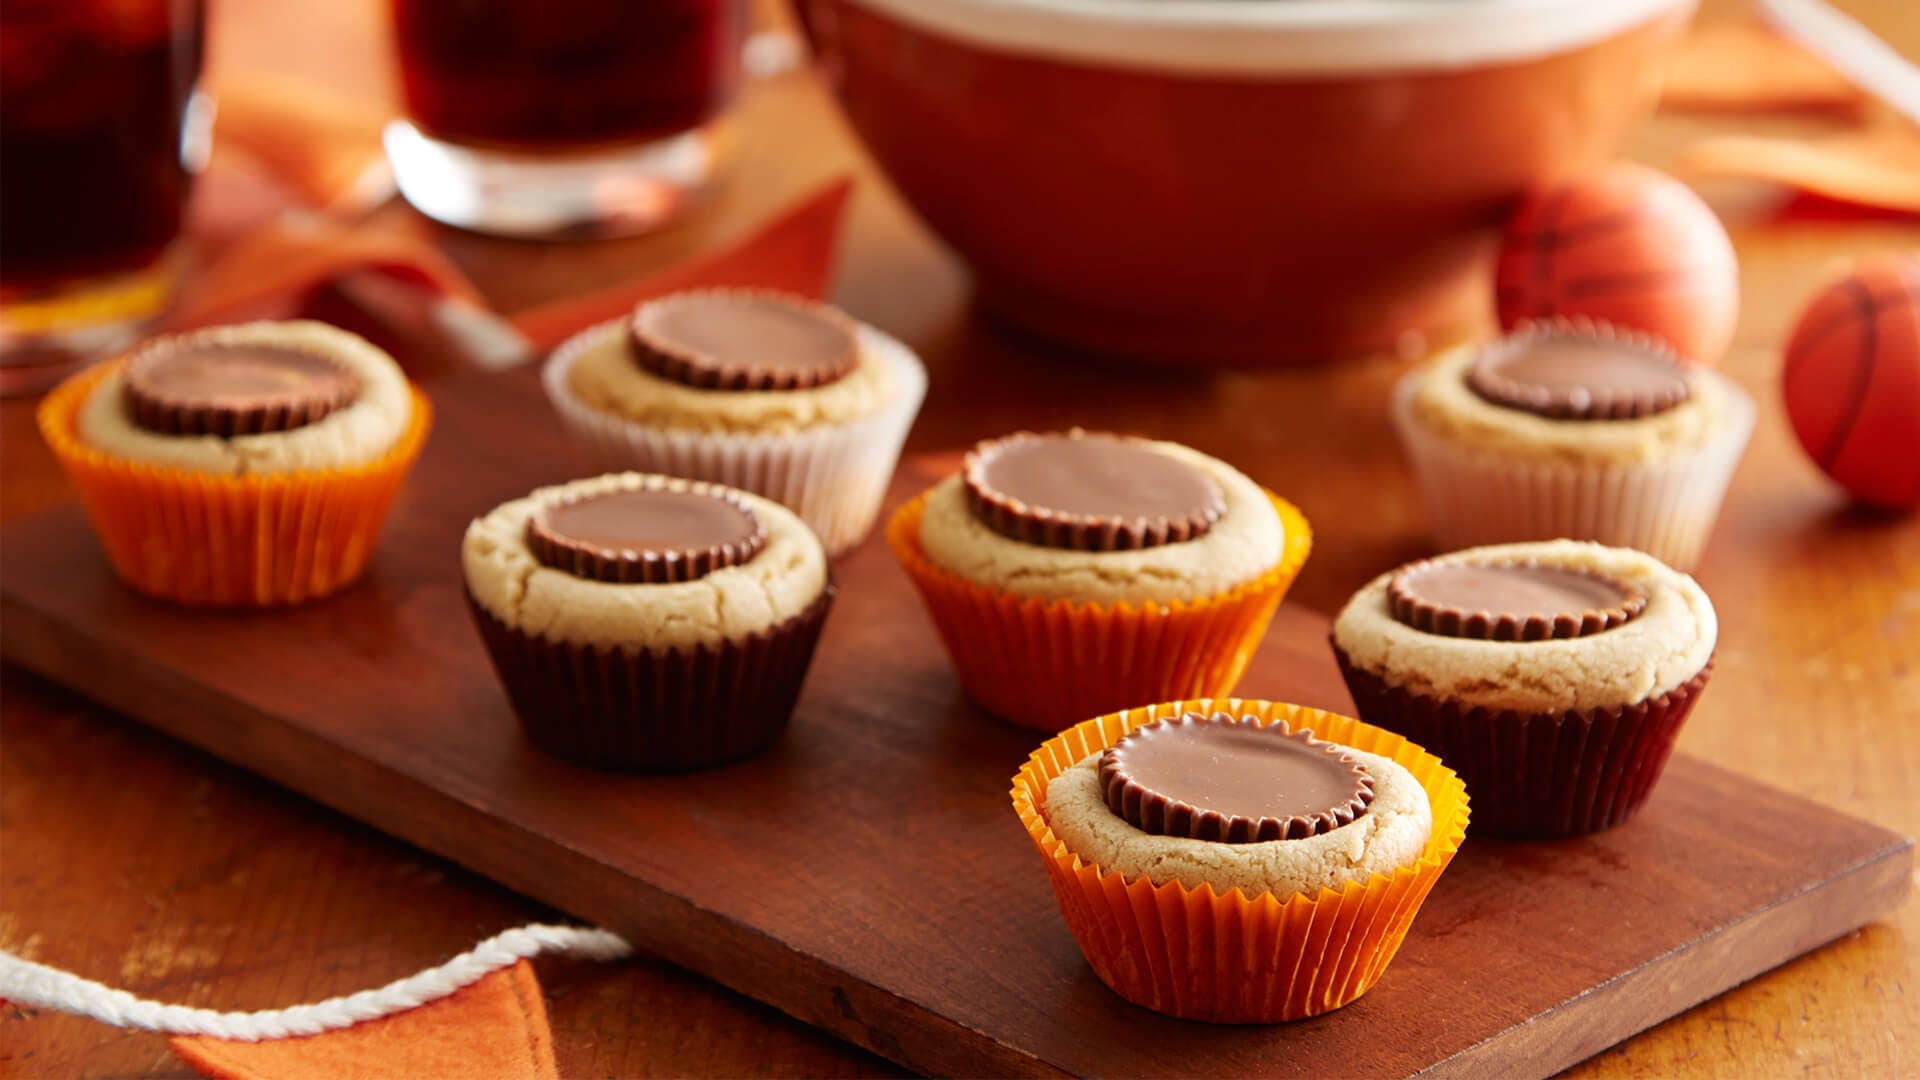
{"points": [[184, 387], [638, 688], [1510, 601], [652, 535], [1572, 371], [1228, 935], [728, 340], [1087, 491], [1532, 620], [1232, 780]]}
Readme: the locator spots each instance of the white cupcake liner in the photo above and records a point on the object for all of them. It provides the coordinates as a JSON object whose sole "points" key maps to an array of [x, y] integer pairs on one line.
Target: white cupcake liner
{"points": [[834, 476], [1665, 507]]}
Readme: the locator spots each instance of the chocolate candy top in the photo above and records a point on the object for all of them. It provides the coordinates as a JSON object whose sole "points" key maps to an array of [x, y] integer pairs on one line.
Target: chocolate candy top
{"points": [[651, 535], [1088, 491], [1510, 601], [1232, 780], [723, 340], [1569, 373], [234, 388]]}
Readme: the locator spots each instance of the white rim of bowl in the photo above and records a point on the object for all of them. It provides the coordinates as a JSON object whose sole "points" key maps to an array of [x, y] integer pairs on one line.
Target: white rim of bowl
{"points": [[1274, 37]]}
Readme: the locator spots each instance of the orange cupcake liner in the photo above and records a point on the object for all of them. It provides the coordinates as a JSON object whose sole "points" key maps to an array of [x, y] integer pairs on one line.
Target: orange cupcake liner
{"points": [[227, 541], [1046, 664], [1234, 959]]}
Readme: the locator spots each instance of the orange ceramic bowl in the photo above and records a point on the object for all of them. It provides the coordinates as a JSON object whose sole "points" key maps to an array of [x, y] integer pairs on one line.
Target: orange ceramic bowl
{"points": [[1239, 182]]}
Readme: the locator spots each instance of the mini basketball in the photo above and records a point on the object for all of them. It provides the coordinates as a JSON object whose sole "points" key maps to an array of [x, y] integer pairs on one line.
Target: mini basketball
{"points": [[1851, 379], [1628, 245]]}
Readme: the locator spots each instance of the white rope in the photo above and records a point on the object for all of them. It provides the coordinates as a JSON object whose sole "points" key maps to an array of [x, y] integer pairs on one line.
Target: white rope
{"points": [[26, 983]]}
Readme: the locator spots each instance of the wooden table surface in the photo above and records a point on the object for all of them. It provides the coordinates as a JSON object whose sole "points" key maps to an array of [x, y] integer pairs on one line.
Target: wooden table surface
{"points": [[132, 859]]}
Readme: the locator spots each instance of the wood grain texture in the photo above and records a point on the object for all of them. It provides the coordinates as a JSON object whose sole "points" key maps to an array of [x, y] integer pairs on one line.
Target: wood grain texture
{"points": [[867, 875], [121, 848]]}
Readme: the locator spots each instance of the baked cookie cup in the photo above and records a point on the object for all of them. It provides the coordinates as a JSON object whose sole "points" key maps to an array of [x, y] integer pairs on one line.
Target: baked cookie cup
{"points": [[1557, 698], [1044, 664], [1183, 946], [642, 623], [827, 452], [1573, 429], [235, 520]]}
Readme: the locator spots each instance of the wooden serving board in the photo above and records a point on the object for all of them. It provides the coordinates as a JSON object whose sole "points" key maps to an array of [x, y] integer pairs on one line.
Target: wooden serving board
{"points": [[869, 875]]}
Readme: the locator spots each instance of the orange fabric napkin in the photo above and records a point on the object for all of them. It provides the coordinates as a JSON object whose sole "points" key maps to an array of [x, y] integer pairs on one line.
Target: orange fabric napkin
{"points": [[794, 253], [273, 231], [1876, 167], [273, 215], [326, 150], [1873, 164], [1745, 66], [297, 252], [495, 1029]]}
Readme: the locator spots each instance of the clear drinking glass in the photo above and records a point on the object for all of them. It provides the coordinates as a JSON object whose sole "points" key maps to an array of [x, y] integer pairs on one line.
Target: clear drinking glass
{"points": [[101, 132], [546, 118]]}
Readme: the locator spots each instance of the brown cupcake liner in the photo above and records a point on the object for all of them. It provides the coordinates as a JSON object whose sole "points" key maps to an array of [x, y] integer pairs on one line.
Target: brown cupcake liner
{"points": [[654, 710], [1537, 775]]}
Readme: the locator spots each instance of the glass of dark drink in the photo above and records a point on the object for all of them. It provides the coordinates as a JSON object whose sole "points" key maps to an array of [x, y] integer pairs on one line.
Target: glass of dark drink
{"points": [[547, 118], [101, 132]]}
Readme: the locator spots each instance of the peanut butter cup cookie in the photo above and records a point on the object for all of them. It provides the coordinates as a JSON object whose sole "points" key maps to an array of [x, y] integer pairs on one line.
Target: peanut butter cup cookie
{"points": [[243, 465], [1573, 429], [1311, 838], [1225, 801], [648, 623], [1553, 676], [763, 391], [1079, 572]]}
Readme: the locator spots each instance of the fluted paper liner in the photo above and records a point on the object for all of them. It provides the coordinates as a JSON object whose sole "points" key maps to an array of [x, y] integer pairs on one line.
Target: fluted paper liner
{"points": [[1045, 664], [1665, 507], [1538, 775], [654, 710], [210, 540], [834, 476], [1201, 955]]}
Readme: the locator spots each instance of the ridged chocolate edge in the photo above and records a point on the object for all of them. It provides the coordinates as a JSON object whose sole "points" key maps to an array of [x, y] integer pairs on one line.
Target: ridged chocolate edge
{"points": [[1496, 389], [1450, 621], [710, 373], [1537, 776], [1162, 815], [1041, 527], [158, 413], [648, 710], [645, 567]]}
